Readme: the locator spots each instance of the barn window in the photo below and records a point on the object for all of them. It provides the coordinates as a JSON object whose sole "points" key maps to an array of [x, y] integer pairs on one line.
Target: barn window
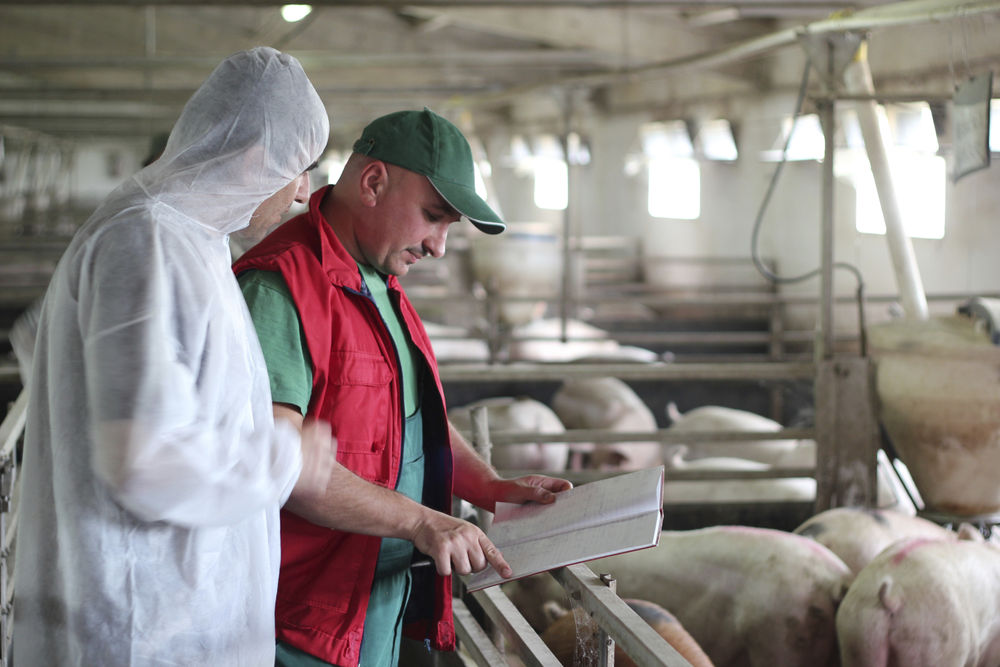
{"points": [[807, 141], [715, 140], [674, 173], [918, 173], [551, 173], [995, 126]]}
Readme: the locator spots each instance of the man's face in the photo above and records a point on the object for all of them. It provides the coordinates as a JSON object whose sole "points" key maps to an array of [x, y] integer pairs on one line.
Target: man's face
{"points": [[409, 221], [272, 209]]}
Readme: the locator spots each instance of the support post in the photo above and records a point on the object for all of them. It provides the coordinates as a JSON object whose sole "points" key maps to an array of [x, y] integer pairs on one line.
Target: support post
{"points": [[847, 434], [481, 443], [827, 120], [605, 642]]}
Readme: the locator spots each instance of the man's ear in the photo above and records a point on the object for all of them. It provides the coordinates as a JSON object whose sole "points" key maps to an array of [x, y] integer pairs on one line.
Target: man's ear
{"points": [[373, 182]]}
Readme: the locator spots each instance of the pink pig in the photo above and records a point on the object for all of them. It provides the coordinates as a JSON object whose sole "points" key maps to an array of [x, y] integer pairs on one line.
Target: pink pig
{"points": [[924, 603], [751, 597]]}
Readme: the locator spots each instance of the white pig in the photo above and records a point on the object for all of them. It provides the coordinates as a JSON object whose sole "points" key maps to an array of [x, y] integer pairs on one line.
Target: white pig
{"points": [[719, 418], [748, 596], [775, 489], [505, 413], [924, 603], [539, 340], [857, 535], [451, 343], [677, 461], [608, 403], [703, 492]]}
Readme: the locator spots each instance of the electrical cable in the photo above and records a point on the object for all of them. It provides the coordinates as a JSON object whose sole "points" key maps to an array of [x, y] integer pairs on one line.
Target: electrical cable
{"points": [[758, 220]]}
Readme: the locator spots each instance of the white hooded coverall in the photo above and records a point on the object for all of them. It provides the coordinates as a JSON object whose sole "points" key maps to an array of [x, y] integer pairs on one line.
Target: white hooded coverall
{"points": [[153, 470]]}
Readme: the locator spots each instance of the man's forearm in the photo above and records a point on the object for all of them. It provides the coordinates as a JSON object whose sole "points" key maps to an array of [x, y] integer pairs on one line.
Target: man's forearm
{"points": [[353, 504]]}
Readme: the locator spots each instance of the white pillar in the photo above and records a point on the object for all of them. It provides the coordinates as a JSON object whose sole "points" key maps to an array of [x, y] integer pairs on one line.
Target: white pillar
{"points": [[858, 80]]}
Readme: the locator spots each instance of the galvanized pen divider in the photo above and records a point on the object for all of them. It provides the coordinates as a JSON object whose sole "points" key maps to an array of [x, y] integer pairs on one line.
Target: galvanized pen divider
{"points": [[11, 431], [617, 621]]}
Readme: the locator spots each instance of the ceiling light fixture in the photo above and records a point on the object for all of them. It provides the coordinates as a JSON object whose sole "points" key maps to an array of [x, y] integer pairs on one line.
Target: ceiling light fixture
{"points": [[293, 13]]}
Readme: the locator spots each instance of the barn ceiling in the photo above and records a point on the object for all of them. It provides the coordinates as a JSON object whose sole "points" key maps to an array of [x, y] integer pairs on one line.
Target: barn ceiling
{"points": [[124, 68]]}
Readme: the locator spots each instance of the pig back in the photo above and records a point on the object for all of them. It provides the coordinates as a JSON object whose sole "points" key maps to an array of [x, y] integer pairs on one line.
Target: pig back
{"points": [[521, 413], [926, 603], [857, 535], [610, 404], [748, 596]]}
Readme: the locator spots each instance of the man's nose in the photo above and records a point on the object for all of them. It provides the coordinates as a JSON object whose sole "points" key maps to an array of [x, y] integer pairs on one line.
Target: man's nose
{"points": [[434, 244], [302, 189]]}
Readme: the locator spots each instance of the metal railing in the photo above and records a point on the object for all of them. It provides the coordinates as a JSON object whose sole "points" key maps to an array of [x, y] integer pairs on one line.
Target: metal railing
{"points": [[11, 431], [617, 621]]}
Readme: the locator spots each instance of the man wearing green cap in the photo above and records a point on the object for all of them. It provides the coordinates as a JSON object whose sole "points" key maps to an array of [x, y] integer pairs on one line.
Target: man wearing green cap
{"points": [[344, 344]]}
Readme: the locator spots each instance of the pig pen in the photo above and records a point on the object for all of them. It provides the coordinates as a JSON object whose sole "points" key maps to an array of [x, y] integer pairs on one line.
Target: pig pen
{"points": [[493, 631], [490, 628], [541, 381], [490, 613], [724, 326]]}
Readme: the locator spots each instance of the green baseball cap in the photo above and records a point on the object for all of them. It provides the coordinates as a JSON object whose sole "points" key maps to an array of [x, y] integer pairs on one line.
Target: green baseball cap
{"points": [[426, 143]]}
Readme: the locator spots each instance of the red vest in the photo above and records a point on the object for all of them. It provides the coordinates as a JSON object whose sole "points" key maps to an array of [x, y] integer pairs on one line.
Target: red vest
{"points": [[326, 575]]}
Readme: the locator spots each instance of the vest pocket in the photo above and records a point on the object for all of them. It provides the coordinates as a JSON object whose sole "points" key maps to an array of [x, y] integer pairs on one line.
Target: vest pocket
{"points": [[362, 402], [309, 587]]}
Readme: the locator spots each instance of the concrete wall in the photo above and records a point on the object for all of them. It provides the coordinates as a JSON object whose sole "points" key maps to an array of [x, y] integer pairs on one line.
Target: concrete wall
{"points": [[608, 201]]}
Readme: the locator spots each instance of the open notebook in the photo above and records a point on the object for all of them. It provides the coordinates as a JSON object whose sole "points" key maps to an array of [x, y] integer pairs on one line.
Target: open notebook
{"points": [[602, 518]]}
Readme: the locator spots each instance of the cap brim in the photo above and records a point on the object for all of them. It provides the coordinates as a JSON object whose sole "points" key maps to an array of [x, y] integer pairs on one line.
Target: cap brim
{"points": [[468, 203]]}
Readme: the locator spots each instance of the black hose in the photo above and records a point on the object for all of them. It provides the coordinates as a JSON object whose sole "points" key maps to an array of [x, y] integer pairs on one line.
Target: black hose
{"points": [[758, 220]]}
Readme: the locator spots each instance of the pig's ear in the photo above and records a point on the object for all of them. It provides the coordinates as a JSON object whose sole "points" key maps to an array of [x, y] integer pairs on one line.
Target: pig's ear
{"points": [[673, 455], [553, 611], [891, 598], [969, 533]]}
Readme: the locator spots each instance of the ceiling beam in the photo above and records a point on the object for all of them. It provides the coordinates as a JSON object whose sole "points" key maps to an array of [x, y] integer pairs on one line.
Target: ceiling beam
{"points": [[76, 127], [818, 5], [83, 108], [904, 13], [507, 58], [180, 94]]}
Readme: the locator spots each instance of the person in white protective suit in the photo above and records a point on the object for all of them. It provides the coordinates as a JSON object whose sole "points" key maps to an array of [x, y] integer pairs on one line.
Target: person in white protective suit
{"points": [[153, 469]]}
